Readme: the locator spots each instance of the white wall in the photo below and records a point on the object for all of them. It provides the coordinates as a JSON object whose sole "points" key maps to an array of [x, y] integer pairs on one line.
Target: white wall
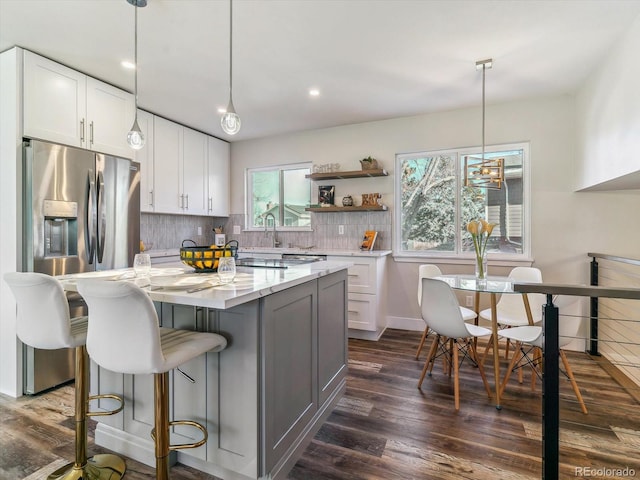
{"points": [[608, 119], [565, 225], [10, 253]]}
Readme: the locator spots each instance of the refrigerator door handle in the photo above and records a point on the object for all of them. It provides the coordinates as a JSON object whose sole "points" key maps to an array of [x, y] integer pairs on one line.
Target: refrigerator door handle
{"points": [[102, 216], [90, 224]]}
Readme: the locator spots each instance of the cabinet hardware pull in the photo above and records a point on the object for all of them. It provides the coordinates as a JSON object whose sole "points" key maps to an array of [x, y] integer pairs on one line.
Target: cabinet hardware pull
{"points": [[91, 132], [210, 204], [353, 311], [185, 375], [352, 274], [151, 196], [187, 207], [82, 130], [182, 201]]}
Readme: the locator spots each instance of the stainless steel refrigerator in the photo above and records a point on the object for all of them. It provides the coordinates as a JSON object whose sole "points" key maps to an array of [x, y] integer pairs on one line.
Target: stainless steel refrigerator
{"points": [[81, 214]]}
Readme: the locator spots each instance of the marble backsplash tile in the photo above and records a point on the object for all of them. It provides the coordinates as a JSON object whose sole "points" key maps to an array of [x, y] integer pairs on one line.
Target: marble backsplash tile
{"points": [[168, 231]]}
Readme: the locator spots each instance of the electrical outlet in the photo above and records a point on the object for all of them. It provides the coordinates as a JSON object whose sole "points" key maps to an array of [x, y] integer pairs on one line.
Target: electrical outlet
{"points": [[340, 229], [199, 230], [469, 300], [236, 229]]}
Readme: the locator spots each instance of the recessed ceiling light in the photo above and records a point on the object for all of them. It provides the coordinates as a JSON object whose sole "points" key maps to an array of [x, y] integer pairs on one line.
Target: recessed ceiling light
{"points": [[314, 92], [127, 64]]}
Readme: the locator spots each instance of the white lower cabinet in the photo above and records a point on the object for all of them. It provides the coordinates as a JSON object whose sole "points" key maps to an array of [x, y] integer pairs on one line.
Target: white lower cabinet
{"points": [[367, 306]]}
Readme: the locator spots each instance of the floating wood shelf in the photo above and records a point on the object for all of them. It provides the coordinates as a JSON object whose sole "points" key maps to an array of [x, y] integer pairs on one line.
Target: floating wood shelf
{"points": [[335, 208], [377, 172]]}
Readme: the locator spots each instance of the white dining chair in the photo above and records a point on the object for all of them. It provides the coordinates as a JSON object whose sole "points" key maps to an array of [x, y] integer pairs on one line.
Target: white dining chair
{"points": [[510, 309], [528, 348], [429, 270], [441, 312]]}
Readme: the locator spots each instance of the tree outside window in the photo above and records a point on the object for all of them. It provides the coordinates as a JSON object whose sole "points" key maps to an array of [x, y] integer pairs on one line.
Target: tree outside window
{"points": [[283, 191], [434, 207]]}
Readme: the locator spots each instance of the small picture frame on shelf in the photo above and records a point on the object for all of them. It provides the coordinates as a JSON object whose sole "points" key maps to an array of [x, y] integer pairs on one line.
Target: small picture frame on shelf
{"points": [[326, 194]]}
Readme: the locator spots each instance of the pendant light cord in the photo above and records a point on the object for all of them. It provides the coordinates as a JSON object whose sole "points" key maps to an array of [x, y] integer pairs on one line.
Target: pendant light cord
{"points": [[135, 57], [231, 51], [484, 69]]}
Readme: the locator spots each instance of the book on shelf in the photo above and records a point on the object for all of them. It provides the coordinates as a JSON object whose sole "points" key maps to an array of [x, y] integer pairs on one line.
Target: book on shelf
{"points": [[369, 240]]}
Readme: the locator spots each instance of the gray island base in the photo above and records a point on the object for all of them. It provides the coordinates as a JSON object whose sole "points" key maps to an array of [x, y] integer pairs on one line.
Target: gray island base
{"points": [[265, 396]]}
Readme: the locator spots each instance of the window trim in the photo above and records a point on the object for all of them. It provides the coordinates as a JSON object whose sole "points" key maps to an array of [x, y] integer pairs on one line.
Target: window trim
{"points": [[248, 211], [466, 257]]}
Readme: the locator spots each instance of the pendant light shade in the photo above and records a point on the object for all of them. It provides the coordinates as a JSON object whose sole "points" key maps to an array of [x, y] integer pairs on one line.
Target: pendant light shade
{"points": [[230, 121], [135, 137], [482, 172]]}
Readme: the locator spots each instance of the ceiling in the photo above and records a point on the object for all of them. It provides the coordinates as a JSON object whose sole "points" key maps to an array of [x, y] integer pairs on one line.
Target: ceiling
{"points": [[370, 59]]}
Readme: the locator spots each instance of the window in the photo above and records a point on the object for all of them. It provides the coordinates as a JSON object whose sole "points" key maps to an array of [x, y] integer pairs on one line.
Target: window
{"points": [[434, 206], [272, 187]]}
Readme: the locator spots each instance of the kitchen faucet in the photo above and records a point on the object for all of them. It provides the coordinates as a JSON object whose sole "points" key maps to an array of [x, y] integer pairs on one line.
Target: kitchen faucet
{"points": [[266, 225]]}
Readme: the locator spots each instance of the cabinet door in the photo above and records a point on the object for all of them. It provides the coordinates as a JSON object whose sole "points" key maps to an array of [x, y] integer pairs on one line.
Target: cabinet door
{"points": [[194, 181], [110, 113], [167, 150], [332, 334], [54, 102], [144, 156], [218, 202]]}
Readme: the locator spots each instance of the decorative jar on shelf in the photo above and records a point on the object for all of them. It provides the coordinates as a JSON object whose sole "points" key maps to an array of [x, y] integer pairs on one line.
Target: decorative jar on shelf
{"points": [[347, 201]]}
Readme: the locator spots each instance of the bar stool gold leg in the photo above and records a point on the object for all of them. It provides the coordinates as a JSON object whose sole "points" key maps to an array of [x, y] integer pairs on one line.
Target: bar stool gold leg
{"points": [[98, 467], [161, 394]]}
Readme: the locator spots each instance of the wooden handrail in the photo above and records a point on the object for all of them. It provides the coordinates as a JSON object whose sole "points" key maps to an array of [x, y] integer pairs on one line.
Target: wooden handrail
{"points": [[614, 258]]}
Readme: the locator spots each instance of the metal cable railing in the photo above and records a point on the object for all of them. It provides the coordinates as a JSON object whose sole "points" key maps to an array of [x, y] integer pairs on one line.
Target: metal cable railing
{"points": [[623, 391]]}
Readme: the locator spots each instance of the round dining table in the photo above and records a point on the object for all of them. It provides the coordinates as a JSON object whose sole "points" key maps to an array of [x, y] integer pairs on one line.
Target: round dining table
{"points": [[493, 286]]}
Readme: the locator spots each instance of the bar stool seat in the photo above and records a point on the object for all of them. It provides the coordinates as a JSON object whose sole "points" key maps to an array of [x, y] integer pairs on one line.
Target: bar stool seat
{"points": [[43, 321], [122, 318]]}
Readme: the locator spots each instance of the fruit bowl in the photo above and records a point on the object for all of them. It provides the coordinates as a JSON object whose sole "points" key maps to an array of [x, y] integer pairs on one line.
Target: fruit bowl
{"points": [[205, 259]]}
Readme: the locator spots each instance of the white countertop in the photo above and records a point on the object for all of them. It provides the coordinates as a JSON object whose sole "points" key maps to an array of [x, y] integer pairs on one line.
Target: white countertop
{"points": [[249, 284]]}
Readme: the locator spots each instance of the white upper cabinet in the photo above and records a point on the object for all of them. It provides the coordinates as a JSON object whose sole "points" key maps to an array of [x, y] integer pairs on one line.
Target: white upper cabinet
{"points": [[194, 173], [218, 196], [65, 106], [110, 113], [167, 169], [144, 157]]}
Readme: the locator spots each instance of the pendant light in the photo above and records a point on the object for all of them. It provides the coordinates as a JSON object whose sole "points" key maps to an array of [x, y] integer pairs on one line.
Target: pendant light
{"points": [[230, 120], [135, 137], [480, 172]]}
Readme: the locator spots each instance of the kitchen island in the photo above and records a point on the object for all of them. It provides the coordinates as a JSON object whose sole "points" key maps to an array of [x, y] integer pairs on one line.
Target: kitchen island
{"points": [[262, 398]]}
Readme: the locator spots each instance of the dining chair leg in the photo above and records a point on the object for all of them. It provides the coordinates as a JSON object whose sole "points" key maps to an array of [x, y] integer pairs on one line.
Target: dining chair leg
{"points": [[447, 365], [520, 370], [474, 356], [516, 357], [430, 359], [487, 349], [424, 337], [572, 379], [456, 377]]}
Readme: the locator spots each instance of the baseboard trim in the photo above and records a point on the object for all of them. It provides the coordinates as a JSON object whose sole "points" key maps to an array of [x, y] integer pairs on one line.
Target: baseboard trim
{"points": [[406, 323]]}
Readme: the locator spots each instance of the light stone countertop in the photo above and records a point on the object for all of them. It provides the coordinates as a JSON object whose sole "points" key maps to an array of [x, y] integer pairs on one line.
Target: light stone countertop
{"points": [[249, 284]]}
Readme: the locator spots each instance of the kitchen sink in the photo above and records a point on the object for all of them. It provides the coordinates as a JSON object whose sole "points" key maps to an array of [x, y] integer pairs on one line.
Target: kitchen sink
{"points": [[287, 260]]}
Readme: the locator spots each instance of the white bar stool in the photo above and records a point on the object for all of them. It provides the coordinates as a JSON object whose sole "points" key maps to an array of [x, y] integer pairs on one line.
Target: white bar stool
{"points": [[121, 314], [44, 322]]}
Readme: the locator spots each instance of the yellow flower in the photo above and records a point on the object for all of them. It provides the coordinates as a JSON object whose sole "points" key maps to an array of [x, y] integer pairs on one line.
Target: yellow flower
{"points": [[472, 227]]}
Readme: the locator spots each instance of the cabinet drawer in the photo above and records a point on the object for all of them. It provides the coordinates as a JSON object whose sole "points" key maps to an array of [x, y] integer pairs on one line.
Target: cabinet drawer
{"points": [[362, 312], [363, 276]]}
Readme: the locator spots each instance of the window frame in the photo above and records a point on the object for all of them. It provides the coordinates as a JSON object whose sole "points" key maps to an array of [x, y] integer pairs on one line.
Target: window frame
{"points": [[248, 192], [459, 256]]}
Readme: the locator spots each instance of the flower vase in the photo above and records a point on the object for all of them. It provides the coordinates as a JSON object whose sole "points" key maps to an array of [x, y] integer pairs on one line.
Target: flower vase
{"points": [[481, 269]]}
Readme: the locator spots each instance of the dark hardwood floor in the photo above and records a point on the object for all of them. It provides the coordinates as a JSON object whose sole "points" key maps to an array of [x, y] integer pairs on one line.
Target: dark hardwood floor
{"points": [[385, 428]]}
